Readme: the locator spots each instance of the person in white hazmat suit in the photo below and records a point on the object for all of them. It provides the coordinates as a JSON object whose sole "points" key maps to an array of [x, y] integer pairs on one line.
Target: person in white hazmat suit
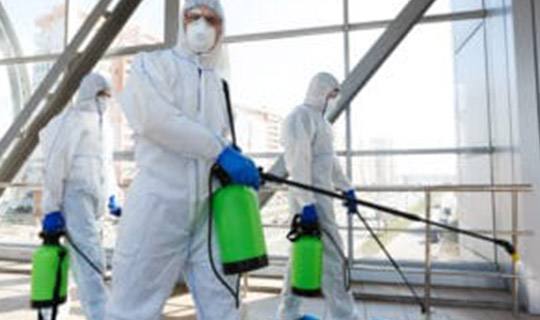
{"points": [[310, 159], [79, 184], [175, 103]]}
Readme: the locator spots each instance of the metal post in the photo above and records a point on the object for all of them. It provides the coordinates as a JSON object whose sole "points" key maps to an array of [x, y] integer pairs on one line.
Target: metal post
{"points": [[66, 23], [246, 285], [172, 22], [348, 127], [515, 280], [427, 279]]}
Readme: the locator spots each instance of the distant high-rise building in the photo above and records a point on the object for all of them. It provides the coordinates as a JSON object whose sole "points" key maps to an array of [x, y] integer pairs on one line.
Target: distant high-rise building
{"points": [[259, 128]]}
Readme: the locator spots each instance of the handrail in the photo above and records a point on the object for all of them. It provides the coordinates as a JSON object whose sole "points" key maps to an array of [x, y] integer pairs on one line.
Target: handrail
{"points": [[521, 233], [458, 188]]}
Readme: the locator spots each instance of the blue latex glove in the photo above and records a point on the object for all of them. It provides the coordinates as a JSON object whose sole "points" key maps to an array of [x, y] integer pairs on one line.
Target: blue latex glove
{"points": [[239, 168], [350, 203], [308, 317], [114, 207], [53, 223], [309, 215]]}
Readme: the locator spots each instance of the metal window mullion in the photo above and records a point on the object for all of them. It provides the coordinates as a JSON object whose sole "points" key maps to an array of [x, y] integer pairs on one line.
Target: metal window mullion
{"points": [[348, 127], [172, 22], [66, 23], [490, 128], [369, 25], [469, 15]]}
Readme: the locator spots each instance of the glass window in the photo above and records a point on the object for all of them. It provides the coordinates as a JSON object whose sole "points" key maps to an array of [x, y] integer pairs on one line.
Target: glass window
{"points": [[363, 11], [406, 239], [38, 24], [269, 78], [409, 103], [405, 169], [146, 26], [7, 110], [244, 17]]}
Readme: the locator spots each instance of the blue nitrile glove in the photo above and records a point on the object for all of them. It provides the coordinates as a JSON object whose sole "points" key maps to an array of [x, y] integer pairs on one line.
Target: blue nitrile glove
{"points": [[350, 203], [239, 168], [114, 208], [309, 215], [53, 223], [308, 317]]}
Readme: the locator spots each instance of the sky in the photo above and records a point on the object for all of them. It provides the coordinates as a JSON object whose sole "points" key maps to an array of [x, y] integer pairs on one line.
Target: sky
{"points": [[408, 104]]}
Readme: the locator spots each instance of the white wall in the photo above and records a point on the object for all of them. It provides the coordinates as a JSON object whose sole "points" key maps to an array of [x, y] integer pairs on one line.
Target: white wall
{"points": [[527, 158], [496, 75]]}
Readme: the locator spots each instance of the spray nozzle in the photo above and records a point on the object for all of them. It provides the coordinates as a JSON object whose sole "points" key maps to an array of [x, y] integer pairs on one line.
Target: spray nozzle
{"points": [[510, 249]]}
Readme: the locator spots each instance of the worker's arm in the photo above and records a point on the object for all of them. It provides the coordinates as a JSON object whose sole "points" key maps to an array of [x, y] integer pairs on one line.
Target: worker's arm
{"points": [[58, 161], [341, 181], [297, 135], [111, 180], [150, 110]]}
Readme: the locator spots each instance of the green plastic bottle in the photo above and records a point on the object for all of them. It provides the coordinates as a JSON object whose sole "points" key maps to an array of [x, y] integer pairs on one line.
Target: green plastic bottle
{"points": [[307, 266], [50, 265], [239, 229]]}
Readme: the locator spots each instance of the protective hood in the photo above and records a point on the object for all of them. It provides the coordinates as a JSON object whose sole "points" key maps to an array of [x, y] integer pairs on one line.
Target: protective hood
{"points": [[90, 86], [216, 57], [321, 85]]}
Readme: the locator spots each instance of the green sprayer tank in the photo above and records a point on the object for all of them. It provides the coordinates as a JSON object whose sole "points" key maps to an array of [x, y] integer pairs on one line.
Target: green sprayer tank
{"points": [[307, 266], [50, 264], [239, 229]]}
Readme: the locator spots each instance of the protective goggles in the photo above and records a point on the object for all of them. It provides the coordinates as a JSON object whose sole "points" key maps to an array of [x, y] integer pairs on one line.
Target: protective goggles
{"points": [[199, 13]]}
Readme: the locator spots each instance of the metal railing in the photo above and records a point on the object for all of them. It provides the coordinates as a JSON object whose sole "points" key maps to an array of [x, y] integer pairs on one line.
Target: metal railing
{"points": [[428, 191]]}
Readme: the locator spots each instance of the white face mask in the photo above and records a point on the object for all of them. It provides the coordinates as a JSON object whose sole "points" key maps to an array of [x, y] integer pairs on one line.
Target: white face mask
{"points": [[200, 36], [331, 103]]}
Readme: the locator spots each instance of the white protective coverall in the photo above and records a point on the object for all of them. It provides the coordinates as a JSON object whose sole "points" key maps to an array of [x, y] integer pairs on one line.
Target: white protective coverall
{"points": [[310, 159], [175, 103], [78, 179]]}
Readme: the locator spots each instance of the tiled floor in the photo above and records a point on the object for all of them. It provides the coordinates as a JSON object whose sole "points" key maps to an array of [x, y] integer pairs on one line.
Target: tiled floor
{"points": [[14, 290]]}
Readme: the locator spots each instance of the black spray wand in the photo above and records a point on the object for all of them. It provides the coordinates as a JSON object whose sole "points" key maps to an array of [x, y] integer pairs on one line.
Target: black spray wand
{"points": [[508, 246]]}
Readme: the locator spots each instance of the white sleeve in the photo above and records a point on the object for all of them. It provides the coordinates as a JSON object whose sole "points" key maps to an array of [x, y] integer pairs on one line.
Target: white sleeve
{"points": [[110, 171], [149, 107], [297, 135], [341, 181], [58, 160]]}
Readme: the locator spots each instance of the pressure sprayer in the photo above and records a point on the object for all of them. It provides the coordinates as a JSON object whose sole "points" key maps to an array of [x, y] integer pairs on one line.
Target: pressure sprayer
{"points": [[234, 209], [50, 265], [307, 260], [508, 246], [50, 268]]}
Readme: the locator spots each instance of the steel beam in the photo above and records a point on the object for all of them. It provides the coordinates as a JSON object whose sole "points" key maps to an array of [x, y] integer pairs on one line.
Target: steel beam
{"points": [[394, 34], [24, 117], [22, 146]]}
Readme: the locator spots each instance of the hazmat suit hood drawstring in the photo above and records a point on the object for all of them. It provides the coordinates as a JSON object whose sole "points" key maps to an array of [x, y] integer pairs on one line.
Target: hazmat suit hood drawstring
{"points": [[91, 86], [216, 57], [321, 85], [87, 99]]}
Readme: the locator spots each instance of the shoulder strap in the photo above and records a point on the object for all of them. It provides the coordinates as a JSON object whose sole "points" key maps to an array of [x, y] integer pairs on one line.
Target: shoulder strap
{"points": [[227, 93]]}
